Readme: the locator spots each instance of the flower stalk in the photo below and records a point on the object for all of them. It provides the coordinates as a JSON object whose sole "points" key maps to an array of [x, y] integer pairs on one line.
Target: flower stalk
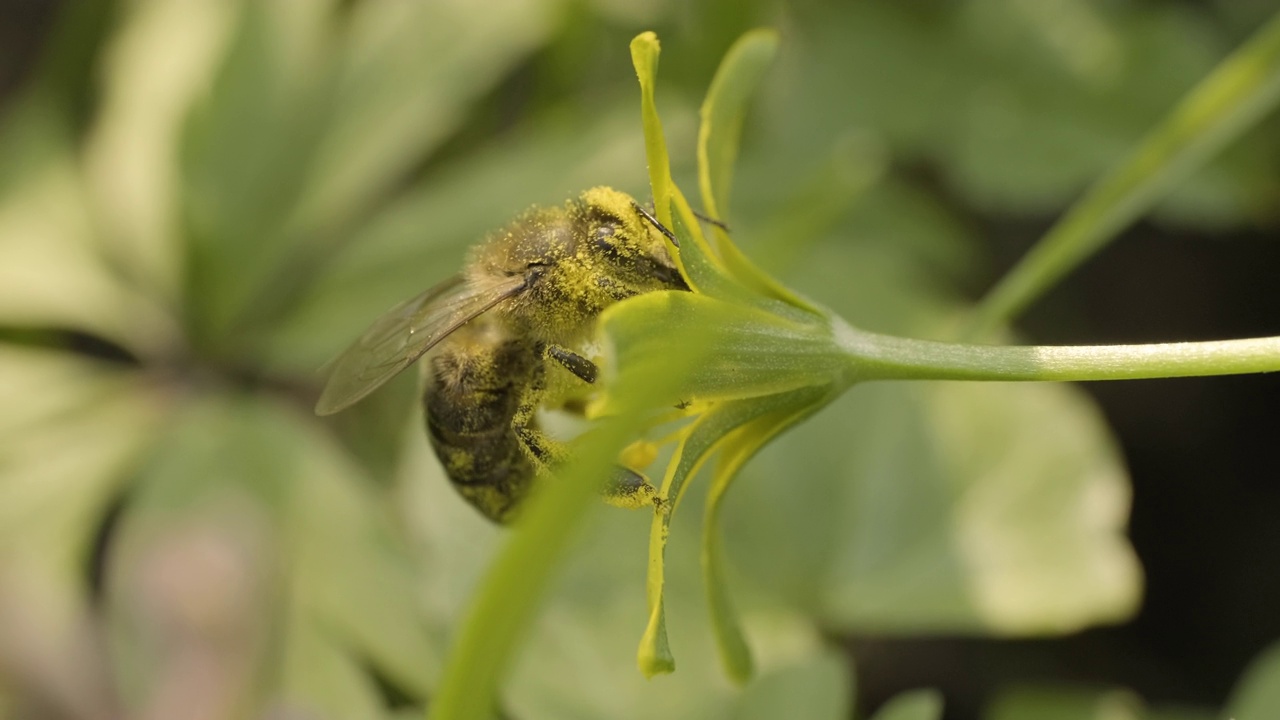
{"points": [[872, 356]]}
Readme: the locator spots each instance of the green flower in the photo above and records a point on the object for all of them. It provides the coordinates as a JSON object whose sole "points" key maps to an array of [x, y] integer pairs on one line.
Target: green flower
{"points": [[770, 357], [750, 358]]}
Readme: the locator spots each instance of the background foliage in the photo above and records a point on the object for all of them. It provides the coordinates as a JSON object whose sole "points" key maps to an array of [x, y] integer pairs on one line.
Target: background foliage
{"points": [[201, 203]]}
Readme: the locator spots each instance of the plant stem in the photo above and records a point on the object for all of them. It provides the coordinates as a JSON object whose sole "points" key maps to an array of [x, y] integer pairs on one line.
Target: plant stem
{"points": [[1238, 93], [883, 357]]}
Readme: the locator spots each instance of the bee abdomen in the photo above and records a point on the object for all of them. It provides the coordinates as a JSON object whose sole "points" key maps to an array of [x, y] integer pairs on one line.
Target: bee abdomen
{"points": [[470, 401]]}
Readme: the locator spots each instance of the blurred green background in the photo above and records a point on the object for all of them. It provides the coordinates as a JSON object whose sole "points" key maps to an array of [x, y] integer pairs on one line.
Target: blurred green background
{"points": [[201, 202]]}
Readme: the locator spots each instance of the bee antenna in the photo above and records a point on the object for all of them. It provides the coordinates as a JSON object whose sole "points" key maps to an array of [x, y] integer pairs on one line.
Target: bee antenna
{"points": [[661, 228], [711, 221]]}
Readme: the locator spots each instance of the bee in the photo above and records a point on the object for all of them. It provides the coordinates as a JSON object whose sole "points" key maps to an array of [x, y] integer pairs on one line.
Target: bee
{"points": [[507, 334]]}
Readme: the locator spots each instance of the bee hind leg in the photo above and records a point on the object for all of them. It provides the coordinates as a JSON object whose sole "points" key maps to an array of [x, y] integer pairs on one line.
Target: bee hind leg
{"points": [[629, 489], [624, 487]]}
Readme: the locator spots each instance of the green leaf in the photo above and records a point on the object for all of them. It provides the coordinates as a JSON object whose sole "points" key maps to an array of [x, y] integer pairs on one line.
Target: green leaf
{"points": [[131, 164], [259, 483], [308, 127], [723, 110], [913, 705], [739, 447], [52, 273], [203, 529], [70, 431], [1032, 118], [817, 688], [698, 441], [944, 507], [247, 153], [353, 574], [705, 270], [719, 135], [1257, 694], [644, 56], [320, 675], [71, 434], [406, 76], [810, 212], [1237, 94]]}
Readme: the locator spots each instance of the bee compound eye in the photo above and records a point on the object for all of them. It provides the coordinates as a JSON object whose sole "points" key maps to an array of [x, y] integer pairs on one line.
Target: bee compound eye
{"points": [[604, 237]]}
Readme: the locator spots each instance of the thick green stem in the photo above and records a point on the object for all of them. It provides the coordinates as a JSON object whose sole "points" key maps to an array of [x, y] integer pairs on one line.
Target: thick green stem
{"points": [[883, 357]]}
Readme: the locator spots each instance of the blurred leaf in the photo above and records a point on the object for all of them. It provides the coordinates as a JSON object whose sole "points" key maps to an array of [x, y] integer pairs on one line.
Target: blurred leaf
{"points": [[1257, 694], [247, 151], [811, 212], [50, 652], [69, 433], [191, 602], [193, 571], [131, 162], [718, 138], [723, 111], [51, 272], [407, 75], [351, 572], [818, 689], [345, 575], [372, 430], [1040, 97], [34, 133], [944, 507], [1065, 704], [1239, 92], [318, 675], [913, 705]]}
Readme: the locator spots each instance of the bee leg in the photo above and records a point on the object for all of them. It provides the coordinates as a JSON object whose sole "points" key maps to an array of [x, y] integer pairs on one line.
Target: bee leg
{"points": [[546, 453], [574, 363], [654, 221], [624, 487], [647, 213], [576, 406], [629, 489]]}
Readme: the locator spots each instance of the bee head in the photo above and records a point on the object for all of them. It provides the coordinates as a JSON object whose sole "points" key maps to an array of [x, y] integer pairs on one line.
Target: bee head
{"points": [[628, 248]]}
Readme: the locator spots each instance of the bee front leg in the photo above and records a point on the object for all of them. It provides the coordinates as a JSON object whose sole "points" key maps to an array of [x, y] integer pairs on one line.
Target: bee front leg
{"points": [[584, 369]]}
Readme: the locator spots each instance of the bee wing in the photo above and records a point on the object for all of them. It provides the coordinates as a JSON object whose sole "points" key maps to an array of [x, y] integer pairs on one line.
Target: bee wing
{"points": [[403, 334]]}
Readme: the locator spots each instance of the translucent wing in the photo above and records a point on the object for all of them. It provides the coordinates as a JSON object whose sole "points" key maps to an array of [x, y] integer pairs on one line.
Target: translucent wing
{"points": [[403, 334]]}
